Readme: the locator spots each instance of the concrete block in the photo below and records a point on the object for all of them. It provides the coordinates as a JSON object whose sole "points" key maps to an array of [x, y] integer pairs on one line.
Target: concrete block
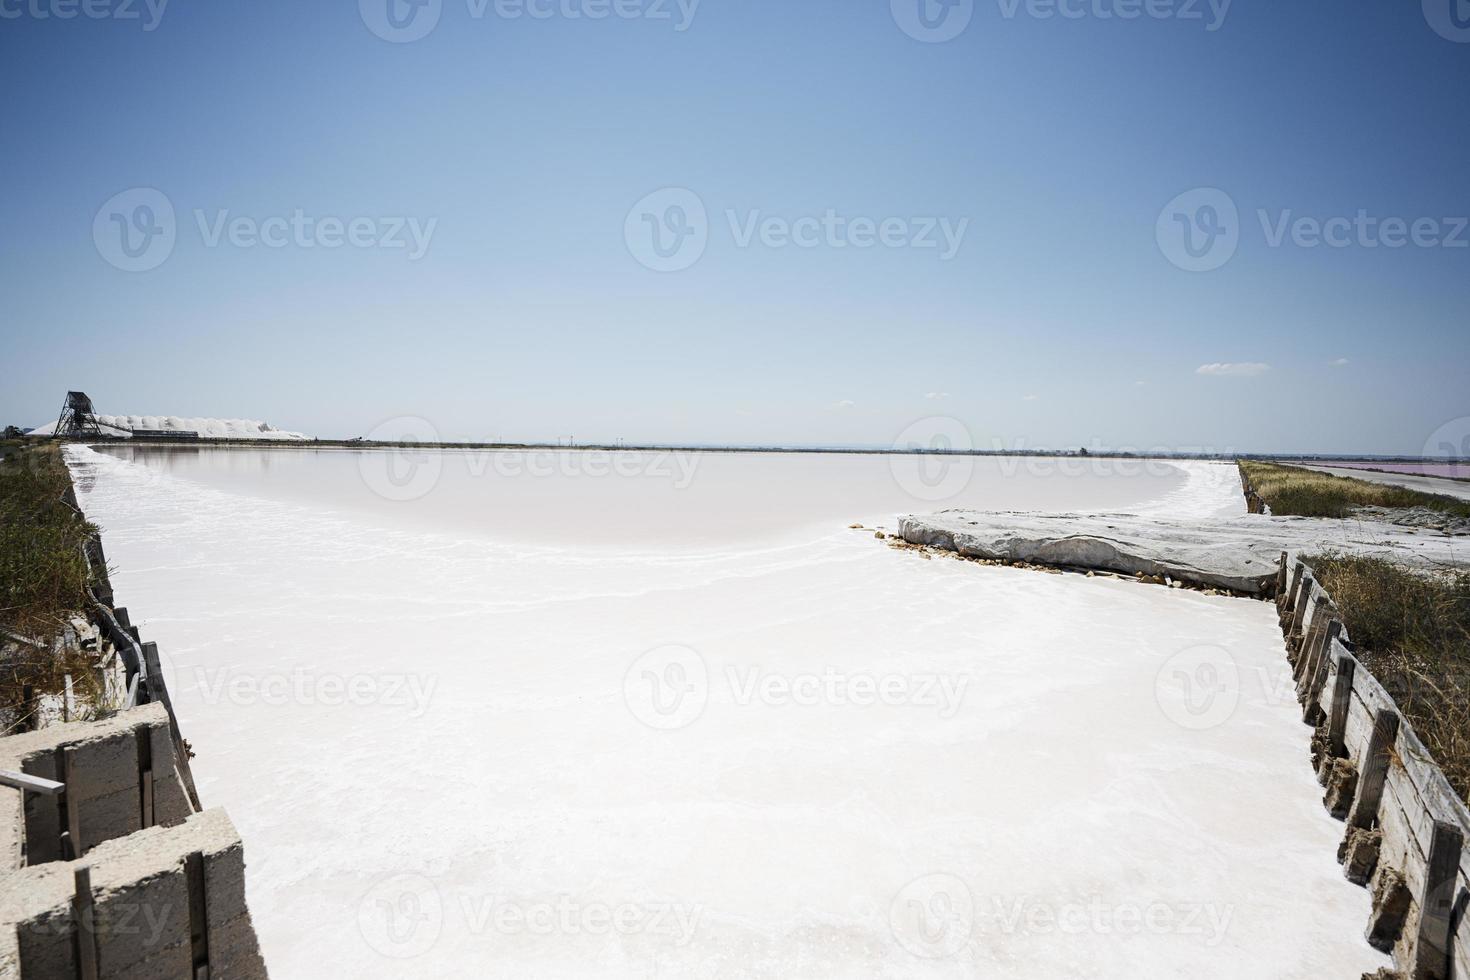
{"points": [[103, 765], [12, 831], [141, 920], [167, 964], [106, 758], [41, 827], [102, 818], [140, 894], [234, 949]]}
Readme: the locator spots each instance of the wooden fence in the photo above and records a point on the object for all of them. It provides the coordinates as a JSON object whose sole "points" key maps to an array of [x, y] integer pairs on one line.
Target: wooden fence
{"points": [[1404, 825]]}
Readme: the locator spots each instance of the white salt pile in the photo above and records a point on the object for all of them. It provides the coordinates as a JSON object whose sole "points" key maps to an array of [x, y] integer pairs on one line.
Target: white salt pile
{"points": [[124, 425]]}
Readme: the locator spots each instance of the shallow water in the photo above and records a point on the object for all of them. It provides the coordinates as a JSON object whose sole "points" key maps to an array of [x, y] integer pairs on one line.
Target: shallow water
{"points": [[732, 738]]}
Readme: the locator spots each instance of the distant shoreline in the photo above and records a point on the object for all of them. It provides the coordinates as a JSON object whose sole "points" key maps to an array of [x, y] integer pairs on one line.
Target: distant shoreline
{"points": [[788, 450]]}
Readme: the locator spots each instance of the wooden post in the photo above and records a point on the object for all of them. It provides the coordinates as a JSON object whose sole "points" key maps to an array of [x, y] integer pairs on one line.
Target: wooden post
{"points": [[1299, 612], [1288, 601], [1375, 770], [1436, 908], [73, 848], [198, 914], [86, 922], [1316, 674], [144, 736], [1281, 574], [1301, 656], [1342, 696]]}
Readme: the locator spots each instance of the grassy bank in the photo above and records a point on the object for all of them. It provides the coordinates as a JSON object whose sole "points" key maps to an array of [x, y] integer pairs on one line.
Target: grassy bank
{"points": [[1413, 632], [43, 576], [1293, 491]]}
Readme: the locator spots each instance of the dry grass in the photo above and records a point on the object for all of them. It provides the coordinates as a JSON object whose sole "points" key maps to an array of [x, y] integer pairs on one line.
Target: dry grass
{"points": [[43, 576], [1413, 632], [1293, 491]]}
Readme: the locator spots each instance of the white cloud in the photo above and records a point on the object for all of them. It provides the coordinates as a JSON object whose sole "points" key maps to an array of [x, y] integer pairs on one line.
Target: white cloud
{"points": [[1340, 362], [1244, 369], [1029, 398], [937, 396], [1139, 384], [845, 403]]}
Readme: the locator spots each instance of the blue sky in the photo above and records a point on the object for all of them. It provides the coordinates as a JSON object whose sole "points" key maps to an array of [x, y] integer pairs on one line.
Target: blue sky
{"points": [[518, 147]]}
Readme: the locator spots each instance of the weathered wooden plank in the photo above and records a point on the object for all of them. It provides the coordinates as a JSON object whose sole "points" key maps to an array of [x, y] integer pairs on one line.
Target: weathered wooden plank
{"points": [[86, 923], [1436, 904], [1316, 674], [1287, 602], [1375, 769], [1342, 693], [31, 784], [1304, 653]]}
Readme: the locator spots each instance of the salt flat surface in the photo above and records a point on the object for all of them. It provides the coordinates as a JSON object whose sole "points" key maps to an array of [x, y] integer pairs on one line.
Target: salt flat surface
{"points": [[462, 744]]}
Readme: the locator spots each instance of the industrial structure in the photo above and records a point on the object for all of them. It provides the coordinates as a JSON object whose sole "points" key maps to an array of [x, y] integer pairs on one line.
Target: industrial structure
{"points": [[79, 420]]}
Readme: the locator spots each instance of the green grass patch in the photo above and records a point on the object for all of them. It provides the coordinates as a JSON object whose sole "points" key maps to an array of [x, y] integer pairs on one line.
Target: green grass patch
{"points": [[1413, 631], [43, 574], [43, 581], [1291, 491]]}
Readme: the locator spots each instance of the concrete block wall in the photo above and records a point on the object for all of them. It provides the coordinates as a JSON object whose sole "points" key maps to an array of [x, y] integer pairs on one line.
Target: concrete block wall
{"points": [[112, 760], [164, 901]]}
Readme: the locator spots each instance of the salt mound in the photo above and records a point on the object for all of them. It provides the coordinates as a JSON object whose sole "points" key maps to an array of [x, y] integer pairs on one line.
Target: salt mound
{"points": [[207, 428]]}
